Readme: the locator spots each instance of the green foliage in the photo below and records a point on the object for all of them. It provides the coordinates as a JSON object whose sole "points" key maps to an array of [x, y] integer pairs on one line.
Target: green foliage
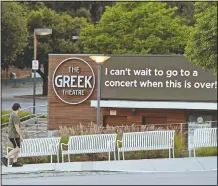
{"points": [[202, 46], [23, 115], [43, 116], [185, 10], [206, 151], [179, 142], [91, 10], [60, 41], [14, 32], [4, 119], [136, 28]]}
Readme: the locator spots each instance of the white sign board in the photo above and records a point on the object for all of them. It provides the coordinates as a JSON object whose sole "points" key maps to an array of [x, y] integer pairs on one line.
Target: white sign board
{"points": [[191, 127], [35, 64]]}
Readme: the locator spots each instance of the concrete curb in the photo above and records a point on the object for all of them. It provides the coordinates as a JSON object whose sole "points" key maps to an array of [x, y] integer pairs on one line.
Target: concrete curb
{"points": [[144, 165]]}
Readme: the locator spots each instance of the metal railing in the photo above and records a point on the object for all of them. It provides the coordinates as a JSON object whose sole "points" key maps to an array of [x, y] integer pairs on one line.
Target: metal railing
{"points": [[27, 118], [21, 81]]}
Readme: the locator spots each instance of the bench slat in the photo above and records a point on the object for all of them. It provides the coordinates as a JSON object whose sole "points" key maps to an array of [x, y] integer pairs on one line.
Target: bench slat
{"points": [[90, 144], [39, 147], [150, 140], [204, 137]]}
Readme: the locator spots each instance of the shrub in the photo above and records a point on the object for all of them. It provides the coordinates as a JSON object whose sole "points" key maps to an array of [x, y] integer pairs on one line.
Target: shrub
{"points": [[92, 129], [5, 119], [43, 116], [206, 151], [24, 115]]}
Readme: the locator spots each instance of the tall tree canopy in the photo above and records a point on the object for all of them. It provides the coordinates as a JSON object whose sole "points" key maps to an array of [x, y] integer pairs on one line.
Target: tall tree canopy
{"points": [[14, 32], [136, 27], [202, 45], [60, 41], [91, 10], [185, 10]]}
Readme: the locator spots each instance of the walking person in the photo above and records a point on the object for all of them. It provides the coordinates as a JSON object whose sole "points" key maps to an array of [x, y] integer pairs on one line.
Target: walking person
{"points": [[14, 135]]}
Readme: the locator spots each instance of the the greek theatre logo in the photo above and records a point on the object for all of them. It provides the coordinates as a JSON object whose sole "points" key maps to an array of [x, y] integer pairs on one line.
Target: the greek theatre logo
{"points": [[73, 80]]}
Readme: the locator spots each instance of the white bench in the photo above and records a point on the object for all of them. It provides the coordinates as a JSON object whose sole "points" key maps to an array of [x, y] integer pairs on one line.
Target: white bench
{"points": [[83, 144], [204, 137], [150, 140], [39, 147]]}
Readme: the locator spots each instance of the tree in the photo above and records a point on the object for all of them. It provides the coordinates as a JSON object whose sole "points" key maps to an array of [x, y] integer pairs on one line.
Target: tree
{"points": [[202, 45], [136, 28], [60, 41], [185, 10], [14, 32], [90, 9]]}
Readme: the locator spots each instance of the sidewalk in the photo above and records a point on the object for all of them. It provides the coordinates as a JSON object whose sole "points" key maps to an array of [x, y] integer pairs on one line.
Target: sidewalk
{"points": [[144, 165]]}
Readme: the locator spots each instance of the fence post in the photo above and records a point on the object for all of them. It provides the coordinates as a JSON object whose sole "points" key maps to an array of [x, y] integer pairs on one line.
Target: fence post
{"points": [[181, 138], [37, 126]]}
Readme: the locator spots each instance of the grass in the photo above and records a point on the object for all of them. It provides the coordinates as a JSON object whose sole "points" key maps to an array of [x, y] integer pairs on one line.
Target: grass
{"points": [[22, 114], [43, 116], [206, 151]]}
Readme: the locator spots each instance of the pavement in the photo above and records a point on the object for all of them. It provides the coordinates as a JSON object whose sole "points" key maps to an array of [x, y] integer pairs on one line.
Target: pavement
{"points": [[12, 95], [178, 171], [143, 165], [106, 178]]}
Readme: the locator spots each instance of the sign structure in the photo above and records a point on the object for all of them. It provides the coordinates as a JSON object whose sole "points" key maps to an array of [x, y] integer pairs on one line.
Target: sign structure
{"points": [[156, 78], [197, 121], [73, 80], [195, 125], [35, 64]]}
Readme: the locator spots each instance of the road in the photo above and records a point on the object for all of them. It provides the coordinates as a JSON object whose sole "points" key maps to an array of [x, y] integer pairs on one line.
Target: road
{"points": [[8, 98], [179, 178]]}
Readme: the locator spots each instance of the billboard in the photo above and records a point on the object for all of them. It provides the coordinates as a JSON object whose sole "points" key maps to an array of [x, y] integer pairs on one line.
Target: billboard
{"points": [[156, 78]]}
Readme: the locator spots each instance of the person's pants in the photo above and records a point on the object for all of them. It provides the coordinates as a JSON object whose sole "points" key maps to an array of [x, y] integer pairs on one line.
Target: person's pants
{"points": [[15, 142]]}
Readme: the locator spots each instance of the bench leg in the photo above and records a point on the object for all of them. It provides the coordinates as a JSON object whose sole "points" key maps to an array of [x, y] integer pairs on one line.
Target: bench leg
{"points": [[169, 153], [114, 155], [173, 153], [123, 155], [109, 156], [62, 158], [194, 152], [51, 158], [68, 157], [58, 157], [189, 153], [118, 153]]}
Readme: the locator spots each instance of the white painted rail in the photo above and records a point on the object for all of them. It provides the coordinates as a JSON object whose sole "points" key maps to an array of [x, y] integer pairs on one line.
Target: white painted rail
{"points": [[204, 137], [98, 143], [39, 147], [151, 140]]}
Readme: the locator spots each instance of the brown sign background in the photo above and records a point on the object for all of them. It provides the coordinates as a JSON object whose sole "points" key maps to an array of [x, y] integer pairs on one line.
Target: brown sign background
{"points": [[187, 83]]}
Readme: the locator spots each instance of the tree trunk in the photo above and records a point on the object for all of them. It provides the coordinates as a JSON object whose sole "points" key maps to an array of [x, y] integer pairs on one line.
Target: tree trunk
{"points": [[45, 82], [45, 87]]}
